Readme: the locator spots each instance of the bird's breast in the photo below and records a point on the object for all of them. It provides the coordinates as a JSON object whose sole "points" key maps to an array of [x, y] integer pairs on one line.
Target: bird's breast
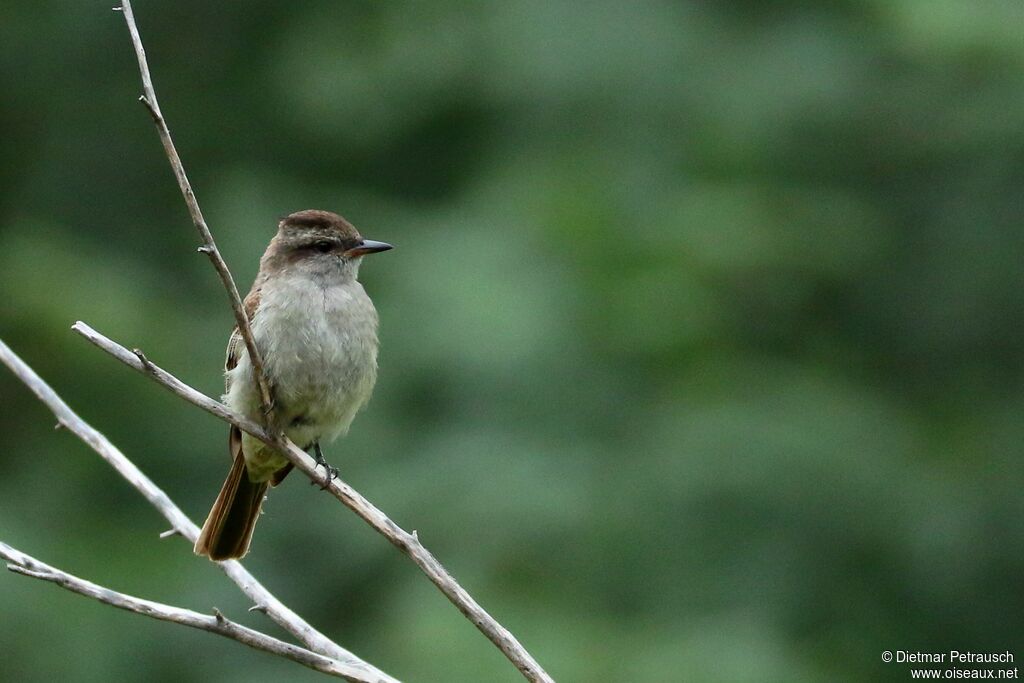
{"points": [[320, 351]]}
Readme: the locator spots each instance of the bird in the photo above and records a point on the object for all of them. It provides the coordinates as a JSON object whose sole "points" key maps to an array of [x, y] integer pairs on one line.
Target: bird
{"points": [[316, 331]]}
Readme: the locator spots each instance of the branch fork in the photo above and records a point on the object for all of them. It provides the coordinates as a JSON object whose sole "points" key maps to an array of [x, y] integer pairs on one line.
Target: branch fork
{"points": [[358, 670], [26, 565]]}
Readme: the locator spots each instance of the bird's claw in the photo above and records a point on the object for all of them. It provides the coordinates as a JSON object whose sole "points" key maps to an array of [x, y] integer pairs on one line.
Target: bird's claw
{"points": [[330, 473]]}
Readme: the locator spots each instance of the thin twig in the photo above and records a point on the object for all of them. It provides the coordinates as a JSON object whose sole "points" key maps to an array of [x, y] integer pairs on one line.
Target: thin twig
{"points": [[408, 543], [180, 523], [20, 563], [209, 247]]}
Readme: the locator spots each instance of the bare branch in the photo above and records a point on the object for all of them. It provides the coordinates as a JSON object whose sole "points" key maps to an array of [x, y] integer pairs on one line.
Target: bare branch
{"points": [[209, 247], [180, 523], [408, 543], [20, 563]]}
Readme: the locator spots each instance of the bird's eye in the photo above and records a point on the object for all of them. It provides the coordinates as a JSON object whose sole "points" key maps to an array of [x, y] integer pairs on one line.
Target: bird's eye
{"points": [[323, 246]]}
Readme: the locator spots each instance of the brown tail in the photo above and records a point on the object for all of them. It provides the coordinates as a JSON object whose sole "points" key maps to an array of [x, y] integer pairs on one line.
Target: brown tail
{"points": [[228, 528]]}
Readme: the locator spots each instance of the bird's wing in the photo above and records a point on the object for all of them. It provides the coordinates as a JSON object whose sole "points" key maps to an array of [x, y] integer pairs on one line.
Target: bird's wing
{"points": [[236, 345]]}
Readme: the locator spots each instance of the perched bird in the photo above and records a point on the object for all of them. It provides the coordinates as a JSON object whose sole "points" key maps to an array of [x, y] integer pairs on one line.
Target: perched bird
{"points": [[316, 330]]}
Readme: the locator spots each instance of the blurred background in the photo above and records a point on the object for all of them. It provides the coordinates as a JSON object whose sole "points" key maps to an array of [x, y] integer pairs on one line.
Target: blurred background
{"points": [[701, 344]]}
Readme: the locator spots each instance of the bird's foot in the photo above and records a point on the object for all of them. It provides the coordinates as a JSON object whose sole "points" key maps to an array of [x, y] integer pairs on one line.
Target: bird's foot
{"points": [[329, 472]]}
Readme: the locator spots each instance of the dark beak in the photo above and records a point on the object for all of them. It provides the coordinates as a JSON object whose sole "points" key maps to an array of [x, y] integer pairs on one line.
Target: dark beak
{"points": [[368, 247]]}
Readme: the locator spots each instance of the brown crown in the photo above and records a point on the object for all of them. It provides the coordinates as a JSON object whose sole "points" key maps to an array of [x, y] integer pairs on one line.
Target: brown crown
{"points": [[315, 219]]}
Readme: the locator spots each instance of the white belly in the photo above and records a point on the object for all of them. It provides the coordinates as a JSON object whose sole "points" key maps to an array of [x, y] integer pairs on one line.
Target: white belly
{"points": [[319, 346]]}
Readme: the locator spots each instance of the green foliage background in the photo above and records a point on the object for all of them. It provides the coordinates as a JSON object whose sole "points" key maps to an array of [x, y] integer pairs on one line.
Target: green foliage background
{"points": [[702, 341]]}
